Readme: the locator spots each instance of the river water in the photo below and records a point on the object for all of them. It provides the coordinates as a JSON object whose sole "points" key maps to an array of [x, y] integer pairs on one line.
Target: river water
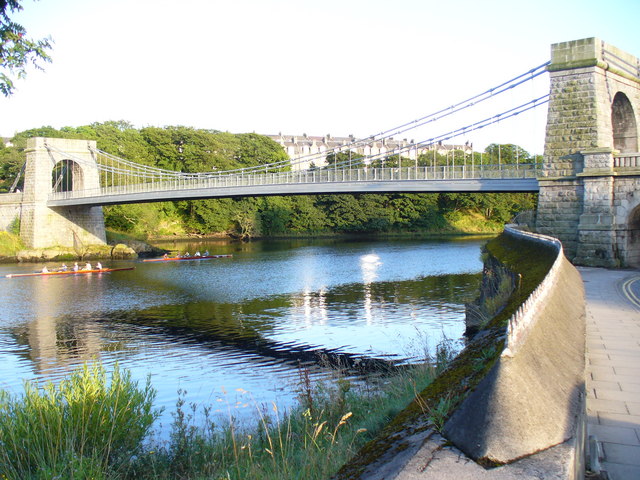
{"points": [[214, 328]]}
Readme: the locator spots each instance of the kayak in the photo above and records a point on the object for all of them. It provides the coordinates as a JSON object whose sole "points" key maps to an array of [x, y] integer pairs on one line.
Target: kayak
{"points": [[175, 259], [69, 272]]}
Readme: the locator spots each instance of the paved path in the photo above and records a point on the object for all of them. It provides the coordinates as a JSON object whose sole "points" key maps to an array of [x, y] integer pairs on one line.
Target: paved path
{"points": [[613, 368]]}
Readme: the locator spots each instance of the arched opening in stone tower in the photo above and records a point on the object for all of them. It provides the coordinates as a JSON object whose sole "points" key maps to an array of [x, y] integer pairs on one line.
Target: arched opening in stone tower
{"points": [[633, 239], [66, 176], [623, 121]]}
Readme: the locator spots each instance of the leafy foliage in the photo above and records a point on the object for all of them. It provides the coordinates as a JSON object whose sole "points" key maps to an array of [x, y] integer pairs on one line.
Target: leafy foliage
{"points": [[17, 51], [83, 427]]}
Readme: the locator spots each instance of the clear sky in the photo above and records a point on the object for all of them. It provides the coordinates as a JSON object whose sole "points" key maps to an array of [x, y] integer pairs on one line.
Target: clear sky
{"points": [[298, 66]]}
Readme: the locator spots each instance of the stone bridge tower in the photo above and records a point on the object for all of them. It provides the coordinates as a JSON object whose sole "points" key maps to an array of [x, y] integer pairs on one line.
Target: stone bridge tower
{"points": [[48, 171], [590, 192]]}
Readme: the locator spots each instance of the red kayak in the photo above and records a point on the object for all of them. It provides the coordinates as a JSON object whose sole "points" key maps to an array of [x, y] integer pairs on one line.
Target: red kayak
{"points": [[69, 272], [175, 259]]}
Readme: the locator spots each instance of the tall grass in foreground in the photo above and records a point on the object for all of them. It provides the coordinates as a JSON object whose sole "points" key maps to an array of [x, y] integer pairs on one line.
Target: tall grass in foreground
{"points": [[332, 421], [87, 429]]}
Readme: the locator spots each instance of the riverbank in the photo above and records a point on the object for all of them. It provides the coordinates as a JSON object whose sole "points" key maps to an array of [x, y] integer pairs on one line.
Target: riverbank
{"points": [[125, 247], [118, 247]]}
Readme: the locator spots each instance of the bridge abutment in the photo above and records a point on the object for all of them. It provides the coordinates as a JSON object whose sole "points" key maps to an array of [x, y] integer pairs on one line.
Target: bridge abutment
{"points": [[42, 226], [586, 199]]}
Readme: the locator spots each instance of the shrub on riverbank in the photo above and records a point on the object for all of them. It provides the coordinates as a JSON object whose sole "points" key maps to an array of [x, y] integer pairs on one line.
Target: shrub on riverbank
{"points": [[84, 427], [87, 428]]}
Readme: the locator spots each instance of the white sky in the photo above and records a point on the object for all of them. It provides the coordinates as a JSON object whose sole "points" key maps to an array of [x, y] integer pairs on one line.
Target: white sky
{"points": [[298, 66]]}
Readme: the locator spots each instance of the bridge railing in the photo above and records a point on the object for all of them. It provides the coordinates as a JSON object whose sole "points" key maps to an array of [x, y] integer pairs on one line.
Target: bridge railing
{"points": [[626, 160], [327, 175]]}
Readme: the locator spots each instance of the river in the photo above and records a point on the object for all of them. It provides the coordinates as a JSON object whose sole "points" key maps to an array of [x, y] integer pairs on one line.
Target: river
{"points": [[214, 328]]}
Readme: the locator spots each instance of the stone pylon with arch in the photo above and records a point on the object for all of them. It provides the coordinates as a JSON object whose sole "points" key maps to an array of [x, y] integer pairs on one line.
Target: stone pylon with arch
{"points": [[47, 171], [589, 198]]}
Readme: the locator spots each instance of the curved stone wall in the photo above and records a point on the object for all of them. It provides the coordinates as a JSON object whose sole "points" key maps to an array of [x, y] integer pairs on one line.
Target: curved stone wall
{"points": [[531, 398], [517, 389]]}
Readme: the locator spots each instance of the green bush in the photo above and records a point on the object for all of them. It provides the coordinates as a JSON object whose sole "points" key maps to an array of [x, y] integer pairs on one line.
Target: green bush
{"points": [[84, 427], [14, 226]]}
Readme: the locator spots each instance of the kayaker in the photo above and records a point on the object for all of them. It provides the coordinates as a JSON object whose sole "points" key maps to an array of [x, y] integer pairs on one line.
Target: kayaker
{"points": [[45, 269], [76, 267], [98, 266], [197, 254], [64, 268], [206, 253], [87, 266]]}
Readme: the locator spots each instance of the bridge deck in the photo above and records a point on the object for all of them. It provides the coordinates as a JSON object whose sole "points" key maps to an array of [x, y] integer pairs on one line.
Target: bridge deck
{"points": [[504, 178]]}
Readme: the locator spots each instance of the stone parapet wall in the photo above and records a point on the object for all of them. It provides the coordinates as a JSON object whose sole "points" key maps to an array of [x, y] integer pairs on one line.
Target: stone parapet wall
{"points": [[524, 319], [532, 397]]}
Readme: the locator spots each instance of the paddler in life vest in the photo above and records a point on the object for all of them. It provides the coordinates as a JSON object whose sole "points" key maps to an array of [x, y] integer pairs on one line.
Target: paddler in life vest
{"points": [[45, 269], [98, 266], [76, 267], [87, 266]]}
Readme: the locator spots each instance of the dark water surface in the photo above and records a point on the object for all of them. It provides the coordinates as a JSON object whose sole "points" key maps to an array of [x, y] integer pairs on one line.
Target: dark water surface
{"points": [[216, 328]]}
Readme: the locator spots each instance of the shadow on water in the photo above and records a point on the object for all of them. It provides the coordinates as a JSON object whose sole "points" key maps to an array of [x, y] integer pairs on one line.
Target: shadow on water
{"points": [[244, 329]]}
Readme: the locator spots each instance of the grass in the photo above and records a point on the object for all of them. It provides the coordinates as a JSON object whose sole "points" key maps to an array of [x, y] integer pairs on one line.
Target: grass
{"points": [[96, 426], [332, 420], [10, 244]]}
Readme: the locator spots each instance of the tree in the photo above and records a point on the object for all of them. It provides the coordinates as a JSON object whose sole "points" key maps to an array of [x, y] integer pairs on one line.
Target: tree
{"points": [[506, 153], [343, 159], [11, 161], [16, 50]]}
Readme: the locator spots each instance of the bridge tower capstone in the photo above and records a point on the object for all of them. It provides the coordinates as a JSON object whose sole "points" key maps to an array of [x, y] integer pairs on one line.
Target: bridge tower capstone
{"points": [[589, 199], [42, 226]]}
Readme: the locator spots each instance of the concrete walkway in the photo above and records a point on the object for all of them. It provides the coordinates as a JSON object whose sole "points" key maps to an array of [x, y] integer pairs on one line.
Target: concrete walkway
{"points": [[613, 368]]}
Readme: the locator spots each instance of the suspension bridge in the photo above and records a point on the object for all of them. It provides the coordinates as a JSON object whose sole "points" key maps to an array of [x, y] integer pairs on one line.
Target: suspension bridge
{"points": [[125, 181], [86, 178]]}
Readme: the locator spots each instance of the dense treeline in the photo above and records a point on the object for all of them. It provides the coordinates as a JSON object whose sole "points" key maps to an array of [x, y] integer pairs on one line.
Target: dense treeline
{"points": [[193, 150]]}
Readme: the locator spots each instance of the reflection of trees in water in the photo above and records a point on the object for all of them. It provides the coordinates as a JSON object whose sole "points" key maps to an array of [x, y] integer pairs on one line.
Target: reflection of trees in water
{"points": [[244, 327]]}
